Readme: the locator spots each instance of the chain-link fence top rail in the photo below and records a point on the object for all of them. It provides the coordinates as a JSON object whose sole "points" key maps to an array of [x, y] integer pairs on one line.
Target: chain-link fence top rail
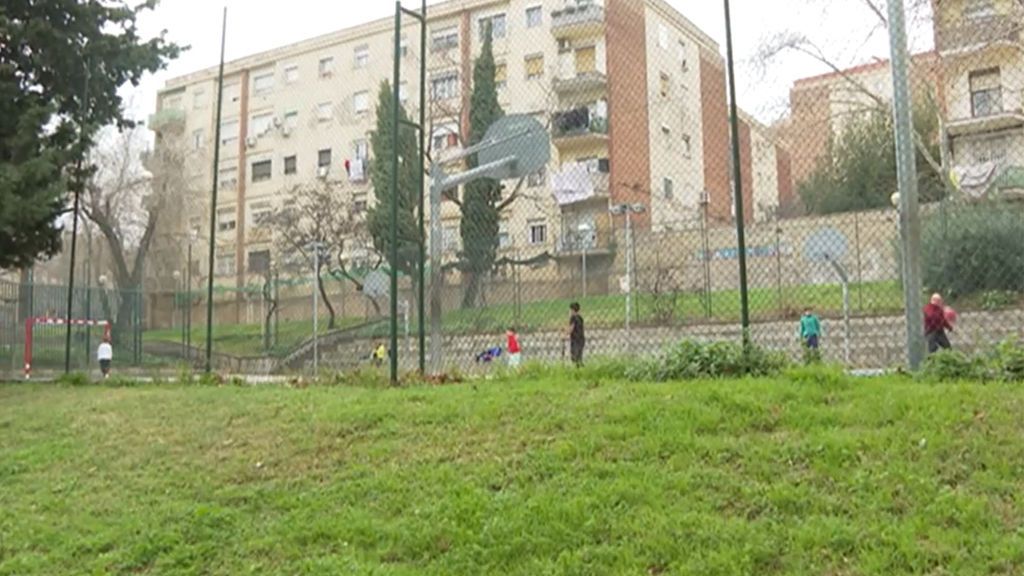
{"points": [[633, 217]]}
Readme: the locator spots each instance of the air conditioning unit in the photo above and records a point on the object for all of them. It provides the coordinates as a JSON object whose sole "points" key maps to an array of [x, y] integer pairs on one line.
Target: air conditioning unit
{"points": [[322, 172], [277, 121], [286, 131], [704, 198], [251, 141], [564, 46]]}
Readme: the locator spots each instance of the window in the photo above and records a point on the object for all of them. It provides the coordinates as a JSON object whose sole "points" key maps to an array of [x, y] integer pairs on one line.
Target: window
{"points": [[686, 145], [259, 261], [450, 239], [291, 164], [403, 47], [534, 16], [444, 86], [667, 188], [538, 232], [228, 177], [233, 93], [229, 133], [504, 240], [537, 179], [291, 120], [361, 102], [199, 98], [262, 123], [986, 92], [291, 74], [444, 40], [586, 60], [444, 137], [665, 85], [501, 76], [682, 56], [403, 91], [496, 25], [225, 265], [172, 102], [361, 149], [361, 56], [226, 219], [323, 158], [263, 83], [359, 203], [262, 170], [534, 66], [324, 111], [261, 212], [662, 36], [326, 66], [977, 9], [198, 139]]}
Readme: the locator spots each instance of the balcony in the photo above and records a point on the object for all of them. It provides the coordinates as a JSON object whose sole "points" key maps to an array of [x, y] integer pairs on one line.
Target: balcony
{"points": [[977, 33], [578, 20], [573, 244], [167, 119], [579, 83], [577, 185], [579, 127]]}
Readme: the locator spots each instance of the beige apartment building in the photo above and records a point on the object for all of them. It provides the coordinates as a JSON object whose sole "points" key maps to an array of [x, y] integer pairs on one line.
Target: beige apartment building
{"points": [[982, 54], [634, 95]]}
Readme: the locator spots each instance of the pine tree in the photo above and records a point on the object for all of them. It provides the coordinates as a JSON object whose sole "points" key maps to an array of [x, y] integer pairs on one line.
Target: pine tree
{"points": [[47, 51], [481, 200], [408, 194]]}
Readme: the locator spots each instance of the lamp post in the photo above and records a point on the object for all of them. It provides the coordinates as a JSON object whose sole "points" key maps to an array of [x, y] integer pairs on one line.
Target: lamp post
{"points": [[192, 236], [628, 210], [584, 232], [316, 247], [174, 309]]}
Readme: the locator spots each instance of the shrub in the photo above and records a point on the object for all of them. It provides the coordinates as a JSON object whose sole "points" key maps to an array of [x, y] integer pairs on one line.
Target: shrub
{"points": [[74, 379], [974, 249], [691, 360], [1008, 361], [827, 375], [952, 365]]}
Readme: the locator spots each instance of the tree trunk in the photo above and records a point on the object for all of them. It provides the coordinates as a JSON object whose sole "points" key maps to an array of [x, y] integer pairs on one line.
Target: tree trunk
{"points": [[472, 290], [327, 302]]}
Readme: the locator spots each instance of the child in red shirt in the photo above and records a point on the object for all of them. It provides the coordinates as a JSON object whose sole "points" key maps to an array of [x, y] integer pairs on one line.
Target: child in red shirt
{"points": [[513, 348]]}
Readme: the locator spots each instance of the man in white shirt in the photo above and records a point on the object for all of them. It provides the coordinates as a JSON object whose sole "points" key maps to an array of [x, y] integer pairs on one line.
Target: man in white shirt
{"points": [[105, 354]]}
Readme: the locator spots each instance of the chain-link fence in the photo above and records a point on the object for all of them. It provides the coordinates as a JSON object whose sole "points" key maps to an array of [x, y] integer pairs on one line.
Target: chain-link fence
{"points": [[633, 217]]}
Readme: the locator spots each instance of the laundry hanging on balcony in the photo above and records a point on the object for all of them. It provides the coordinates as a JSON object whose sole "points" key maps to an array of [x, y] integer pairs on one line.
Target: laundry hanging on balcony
{"points": [[572, 184], [974, 180]]}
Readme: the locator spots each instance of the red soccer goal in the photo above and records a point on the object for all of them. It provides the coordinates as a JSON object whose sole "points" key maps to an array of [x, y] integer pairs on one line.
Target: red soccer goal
{"points": [[31, 323]]}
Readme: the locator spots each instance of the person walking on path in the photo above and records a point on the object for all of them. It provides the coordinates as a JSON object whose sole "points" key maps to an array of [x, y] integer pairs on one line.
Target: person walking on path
{"points": [[105, 355], [936, 324], [810, 334], [577, 336]]}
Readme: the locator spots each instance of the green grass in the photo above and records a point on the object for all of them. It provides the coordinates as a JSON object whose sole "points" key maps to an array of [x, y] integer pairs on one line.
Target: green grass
{"points": [[600, 311], [247, 339], [560, 475]]}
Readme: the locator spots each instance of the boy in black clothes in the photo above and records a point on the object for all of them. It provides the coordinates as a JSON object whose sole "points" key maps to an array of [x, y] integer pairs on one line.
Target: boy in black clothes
{"points": [[577, 338]]}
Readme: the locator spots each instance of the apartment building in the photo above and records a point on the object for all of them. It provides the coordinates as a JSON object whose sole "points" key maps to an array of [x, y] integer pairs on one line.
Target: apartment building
{"points": [[634, 95], [822, 106], [982, 53]]}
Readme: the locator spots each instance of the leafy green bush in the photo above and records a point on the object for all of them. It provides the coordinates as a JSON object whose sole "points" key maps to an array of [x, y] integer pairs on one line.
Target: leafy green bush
{"points": [[974, 249], [952, 365], [691, 360], [998, 299], [74, 379], [1008, 361]]}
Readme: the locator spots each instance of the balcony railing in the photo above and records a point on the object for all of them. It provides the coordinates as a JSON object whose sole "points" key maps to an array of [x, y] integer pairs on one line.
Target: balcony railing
{"points": [[596, 243], [975, 33], [581, 82], [578, 123], [578, 17]]}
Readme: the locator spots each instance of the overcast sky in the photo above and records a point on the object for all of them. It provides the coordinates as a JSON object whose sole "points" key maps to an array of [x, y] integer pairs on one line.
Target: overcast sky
{"points": [[846, 29]]}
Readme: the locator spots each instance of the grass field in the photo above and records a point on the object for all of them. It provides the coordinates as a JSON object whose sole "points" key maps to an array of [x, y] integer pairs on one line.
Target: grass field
{"points": [[600, 311], [559, 475]]}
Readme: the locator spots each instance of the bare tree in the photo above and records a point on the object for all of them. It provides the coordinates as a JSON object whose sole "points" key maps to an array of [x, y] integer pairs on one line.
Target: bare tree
{"points": [[125, 201], [314, 217]]}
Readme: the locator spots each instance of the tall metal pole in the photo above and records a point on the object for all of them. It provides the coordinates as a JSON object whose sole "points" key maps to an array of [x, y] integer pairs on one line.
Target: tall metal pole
{"points": [[79, 184], [422, 175], [436, 271], [906, 174], [188, 315], [629, 272], [583, 268], [213, 199], [396, 102], [737, 177]]}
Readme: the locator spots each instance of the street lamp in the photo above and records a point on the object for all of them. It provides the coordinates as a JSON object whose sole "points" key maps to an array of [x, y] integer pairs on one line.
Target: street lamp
{"points": [[584, 233], [174, 308], [628, 210]]}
